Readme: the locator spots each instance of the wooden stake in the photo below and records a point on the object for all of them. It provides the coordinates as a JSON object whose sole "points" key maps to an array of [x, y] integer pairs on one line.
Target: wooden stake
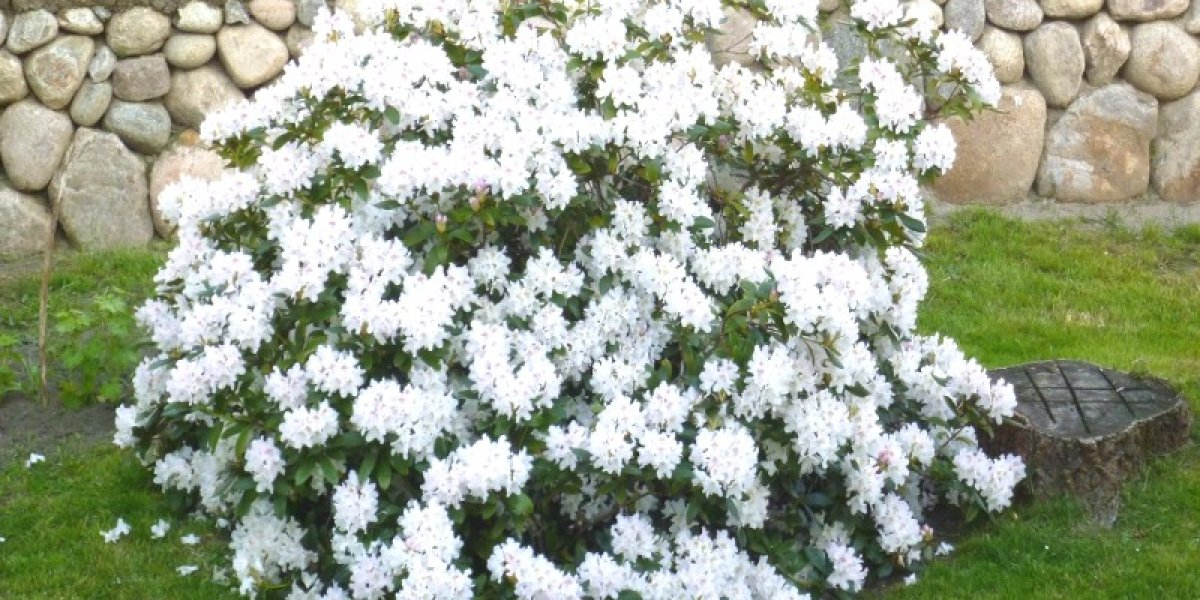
{"points": [[44, 296]]}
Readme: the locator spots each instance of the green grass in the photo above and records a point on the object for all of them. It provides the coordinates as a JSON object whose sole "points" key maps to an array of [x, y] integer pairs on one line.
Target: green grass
{"points": [[1008, 291], [77, 278], [52, 515], [1014, 292]]}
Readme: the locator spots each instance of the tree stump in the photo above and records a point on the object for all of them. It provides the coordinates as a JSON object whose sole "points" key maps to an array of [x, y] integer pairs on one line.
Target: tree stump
{"points": [[1085, 430]]}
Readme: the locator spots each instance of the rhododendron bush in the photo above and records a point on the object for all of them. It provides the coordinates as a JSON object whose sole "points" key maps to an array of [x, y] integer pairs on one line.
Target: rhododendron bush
{"points": [[537, 299]]}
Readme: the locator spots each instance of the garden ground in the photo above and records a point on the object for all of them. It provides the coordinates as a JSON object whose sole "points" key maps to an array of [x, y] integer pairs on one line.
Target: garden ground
{"points": [[1009, 291]]}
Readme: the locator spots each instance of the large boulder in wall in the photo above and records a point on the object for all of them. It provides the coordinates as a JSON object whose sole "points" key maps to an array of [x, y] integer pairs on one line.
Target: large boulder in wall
{"points": [[1176, 150], [102, 188], [25, 221], [33, 139], [197, 92], [1099, 151], [998, 151]]}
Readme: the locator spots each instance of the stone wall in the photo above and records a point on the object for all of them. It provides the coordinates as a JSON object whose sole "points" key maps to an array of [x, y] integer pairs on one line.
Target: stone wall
{"points": [[1100, 101], [100, 103], [99, 107]]}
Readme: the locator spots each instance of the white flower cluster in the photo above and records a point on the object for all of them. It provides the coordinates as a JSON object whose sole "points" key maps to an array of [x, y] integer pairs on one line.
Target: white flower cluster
{"points": [[542, 293]]}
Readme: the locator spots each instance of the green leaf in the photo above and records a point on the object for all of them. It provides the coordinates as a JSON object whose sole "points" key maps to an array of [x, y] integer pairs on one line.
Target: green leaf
{"points": [[520, 505]]}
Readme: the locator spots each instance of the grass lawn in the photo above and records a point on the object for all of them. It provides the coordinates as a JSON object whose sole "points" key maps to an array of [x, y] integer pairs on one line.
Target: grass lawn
{"points": [[1008, 291]]}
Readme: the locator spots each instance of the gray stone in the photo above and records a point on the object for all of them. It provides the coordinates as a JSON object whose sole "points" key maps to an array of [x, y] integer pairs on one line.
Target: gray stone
{"points": [[79, 20], [1071, 9], [1164, 60], [1015, 15], [997, 152], [828, 6], [199, 17], [198, 92], [1054, 59], [102, 12], [103, 63], [3, 27], [1176, 150], [1146, 10], [1105, 48], [235, 13], [172, 166], [90, 103], [30, 30], [12, 79], [33, 139], [102, 191], [143, 126], [189, 50], [1005, 51], [273, 14], [251, 54], [306, 11], [137, 31], [55, 70], [298, 38], [967, 16], [26, 221], [1099, 151], [141, 78]]}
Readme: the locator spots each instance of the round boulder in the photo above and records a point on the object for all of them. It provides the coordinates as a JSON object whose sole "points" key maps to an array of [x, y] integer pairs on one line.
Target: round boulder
{"points": [[33, 139], [251, 54], [1163, 60], [198, 92], [102, 190], [80, 20], [1071, 9], [26, 221], [1006, 53], [1007, 141], [12, 78], [1014, 15], [141, 78], [1105, 49], [298, 38], [137, 31], [1099, 150], [30, 30], [55, 70], [172, 166], [91, 102], [143, 126], [1054, 59], [103, 63], [273, 14], [189, 50], [1176, 172], [967, 16], [1146, 10], [199, 17]]}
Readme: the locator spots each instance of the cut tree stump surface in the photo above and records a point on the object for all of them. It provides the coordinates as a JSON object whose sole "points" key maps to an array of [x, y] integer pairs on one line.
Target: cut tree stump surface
{"points": [[1084, 430]]}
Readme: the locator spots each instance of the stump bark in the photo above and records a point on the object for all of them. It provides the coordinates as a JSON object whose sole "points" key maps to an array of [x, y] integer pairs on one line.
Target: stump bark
{"points": [[1084, 430]]}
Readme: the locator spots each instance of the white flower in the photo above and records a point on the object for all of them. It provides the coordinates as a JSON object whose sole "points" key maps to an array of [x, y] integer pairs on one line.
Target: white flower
{"points": [[159, 529], [119, 531]]}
